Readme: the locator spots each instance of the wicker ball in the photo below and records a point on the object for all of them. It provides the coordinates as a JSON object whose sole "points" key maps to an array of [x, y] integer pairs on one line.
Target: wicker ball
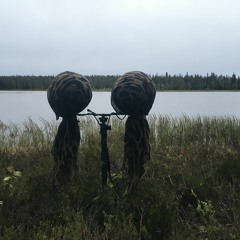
{"points": [[133, 94], [69, 94]]}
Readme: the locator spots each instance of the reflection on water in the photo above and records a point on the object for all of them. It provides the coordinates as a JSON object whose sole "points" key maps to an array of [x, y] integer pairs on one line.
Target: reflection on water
{"points": [[18, 106]]}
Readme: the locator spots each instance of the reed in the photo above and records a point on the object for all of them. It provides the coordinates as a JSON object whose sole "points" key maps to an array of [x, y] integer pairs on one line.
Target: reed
{"points": [[191, 188]]}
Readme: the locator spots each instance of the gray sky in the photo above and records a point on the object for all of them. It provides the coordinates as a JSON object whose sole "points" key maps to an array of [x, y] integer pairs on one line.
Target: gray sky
{"points": [[46, 37]]}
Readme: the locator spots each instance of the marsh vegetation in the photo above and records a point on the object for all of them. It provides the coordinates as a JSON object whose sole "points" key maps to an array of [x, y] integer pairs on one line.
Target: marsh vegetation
{"points": [[190, 190]]}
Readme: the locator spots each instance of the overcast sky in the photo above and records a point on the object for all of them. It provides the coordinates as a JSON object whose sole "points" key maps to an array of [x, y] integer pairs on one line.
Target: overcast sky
{"points": [[46, 37]]}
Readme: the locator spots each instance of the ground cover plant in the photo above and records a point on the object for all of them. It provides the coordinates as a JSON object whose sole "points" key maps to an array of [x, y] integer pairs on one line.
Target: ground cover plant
{"points": [[190, 190]]}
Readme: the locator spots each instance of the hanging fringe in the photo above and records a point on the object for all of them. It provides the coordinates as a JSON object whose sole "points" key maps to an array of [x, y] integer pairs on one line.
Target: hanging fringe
{"points": [[68, 94], [133, 94], [65, 152], [136, 148]]}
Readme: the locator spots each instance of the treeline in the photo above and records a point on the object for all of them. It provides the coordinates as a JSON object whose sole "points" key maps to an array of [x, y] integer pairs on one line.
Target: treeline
{"points": [[165, 82], [25, 82], [197, 82]]}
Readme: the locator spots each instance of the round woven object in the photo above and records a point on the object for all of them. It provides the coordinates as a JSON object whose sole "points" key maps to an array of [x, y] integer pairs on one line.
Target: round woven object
{"points": [[69, 94], [133, 94]]}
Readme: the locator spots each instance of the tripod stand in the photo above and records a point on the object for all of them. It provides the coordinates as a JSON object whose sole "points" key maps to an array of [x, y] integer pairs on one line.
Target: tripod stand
{"points": [[103, 121]]}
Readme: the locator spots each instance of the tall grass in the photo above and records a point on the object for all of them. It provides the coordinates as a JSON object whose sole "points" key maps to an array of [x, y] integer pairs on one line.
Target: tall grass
{"points": [[191, 188]]}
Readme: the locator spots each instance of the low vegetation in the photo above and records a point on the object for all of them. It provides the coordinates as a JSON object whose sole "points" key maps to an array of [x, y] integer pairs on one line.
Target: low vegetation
{"points": [[190, 190]]}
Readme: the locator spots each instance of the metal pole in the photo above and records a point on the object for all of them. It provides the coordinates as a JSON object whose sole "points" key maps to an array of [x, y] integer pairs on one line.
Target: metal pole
{"points": [[103, 122], [105, 160]]}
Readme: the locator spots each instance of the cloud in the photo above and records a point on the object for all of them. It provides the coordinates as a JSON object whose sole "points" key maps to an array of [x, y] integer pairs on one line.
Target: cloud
{"points": [[109, 37]]}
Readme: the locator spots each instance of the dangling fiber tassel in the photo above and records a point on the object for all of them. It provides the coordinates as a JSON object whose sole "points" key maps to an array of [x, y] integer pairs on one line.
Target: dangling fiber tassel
{"points": [[136, 148], [65, 152], [68, 94], [133, 94]]}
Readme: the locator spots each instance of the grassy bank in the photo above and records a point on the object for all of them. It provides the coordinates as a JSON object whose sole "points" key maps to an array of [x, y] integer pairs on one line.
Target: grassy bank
{"points": [[191, 188]]}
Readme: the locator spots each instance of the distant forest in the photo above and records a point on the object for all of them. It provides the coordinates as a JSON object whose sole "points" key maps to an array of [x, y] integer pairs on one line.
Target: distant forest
{"points": [[165, 82]]}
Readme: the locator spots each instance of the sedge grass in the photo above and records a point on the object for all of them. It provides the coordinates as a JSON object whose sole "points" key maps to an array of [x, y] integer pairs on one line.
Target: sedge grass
{"points": [[191, 188]]}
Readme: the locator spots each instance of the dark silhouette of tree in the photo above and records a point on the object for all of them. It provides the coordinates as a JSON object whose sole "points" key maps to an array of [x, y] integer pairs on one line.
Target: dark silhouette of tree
{"points": [[164, 82]]}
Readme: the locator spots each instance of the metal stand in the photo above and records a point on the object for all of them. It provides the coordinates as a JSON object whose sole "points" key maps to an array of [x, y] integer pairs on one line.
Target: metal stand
{"points": [[103, 121], [105, 160]]}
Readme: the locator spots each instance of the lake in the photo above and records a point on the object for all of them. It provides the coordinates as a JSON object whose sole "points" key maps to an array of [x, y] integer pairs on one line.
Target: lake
{"points": [[18, 106]]}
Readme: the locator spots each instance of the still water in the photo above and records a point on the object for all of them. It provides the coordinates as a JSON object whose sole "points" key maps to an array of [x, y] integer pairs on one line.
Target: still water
{"points": [[18, 106]]}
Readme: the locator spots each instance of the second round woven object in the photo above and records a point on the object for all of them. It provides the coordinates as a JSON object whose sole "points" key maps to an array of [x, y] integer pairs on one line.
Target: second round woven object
{"points": [[133, 94]]}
